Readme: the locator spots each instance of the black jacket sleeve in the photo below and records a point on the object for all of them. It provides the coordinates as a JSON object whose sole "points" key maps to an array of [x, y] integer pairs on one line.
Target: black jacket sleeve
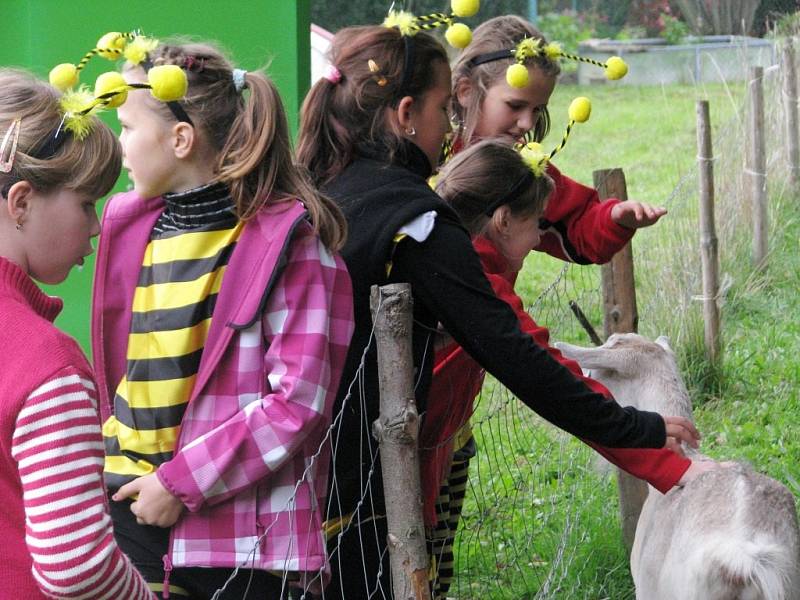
{"points": [[446, 275]]}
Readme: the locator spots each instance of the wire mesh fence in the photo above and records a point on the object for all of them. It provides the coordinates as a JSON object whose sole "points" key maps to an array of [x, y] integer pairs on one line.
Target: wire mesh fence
{"points": [[539, 520]]}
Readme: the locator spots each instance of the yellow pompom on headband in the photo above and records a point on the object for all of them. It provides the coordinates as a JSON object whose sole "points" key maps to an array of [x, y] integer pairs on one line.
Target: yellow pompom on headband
{"points": [[517, 73], [167, 83], [532, 152], [457, 35], [536, 159]]}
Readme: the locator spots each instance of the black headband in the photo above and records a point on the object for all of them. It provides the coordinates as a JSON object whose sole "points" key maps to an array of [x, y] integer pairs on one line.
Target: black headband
{"points": [[173, 105], [491, 56], [408, 66]]}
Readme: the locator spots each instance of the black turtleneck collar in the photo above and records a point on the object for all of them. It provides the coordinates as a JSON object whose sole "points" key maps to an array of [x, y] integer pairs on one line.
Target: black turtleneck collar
{"points": [[407, 155], [202, 206]]}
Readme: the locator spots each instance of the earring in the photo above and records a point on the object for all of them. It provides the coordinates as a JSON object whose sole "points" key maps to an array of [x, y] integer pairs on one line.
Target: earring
{"points": [[411, 131], [19, 225]]}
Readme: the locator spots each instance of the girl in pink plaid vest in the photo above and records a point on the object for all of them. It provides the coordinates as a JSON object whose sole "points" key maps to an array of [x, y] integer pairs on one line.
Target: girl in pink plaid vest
{"points": [[221, 320]]}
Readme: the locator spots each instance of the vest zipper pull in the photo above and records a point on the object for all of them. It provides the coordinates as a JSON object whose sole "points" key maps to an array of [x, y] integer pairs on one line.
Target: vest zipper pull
{"points": [[167, 571]]}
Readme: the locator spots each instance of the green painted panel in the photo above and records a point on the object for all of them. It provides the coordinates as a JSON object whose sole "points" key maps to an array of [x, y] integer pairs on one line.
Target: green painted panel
{"points": [[38, 34]]}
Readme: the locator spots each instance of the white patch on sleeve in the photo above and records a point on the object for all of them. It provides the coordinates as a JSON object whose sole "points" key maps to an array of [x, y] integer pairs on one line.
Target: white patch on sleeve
{"points": [[420, 228]]}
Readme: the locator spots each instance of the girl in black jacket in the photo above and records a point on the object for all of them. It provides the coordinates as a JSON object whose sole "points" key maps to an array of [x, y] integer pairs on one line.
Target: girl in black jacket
{"points": [[371, 132]]}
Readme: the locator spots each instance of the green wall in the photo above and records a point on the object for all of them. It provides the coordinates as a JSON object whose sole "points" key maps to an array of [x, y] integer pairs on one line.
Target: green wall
{"points": [[38, 34]]}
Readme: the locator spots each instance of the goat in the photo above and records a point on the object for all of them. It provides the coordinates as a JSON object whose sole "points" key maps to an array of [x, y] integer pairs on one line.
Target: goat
{"points": [[731, 533]]}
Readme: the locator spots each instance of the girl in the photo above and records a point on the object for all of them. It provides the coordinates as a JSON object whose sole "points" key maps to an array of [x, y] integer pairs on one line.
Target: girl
{"points": [[371, 133], [221, 320], [576, 226], [55, 526], [482, 185]]}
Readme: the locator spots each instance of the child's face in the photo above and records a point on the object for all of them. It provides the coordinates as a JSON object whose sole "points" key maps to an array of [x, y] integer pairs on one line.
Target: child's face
{"points": [[147, 141], [512, 112], [517, 237], [57, 233], [429, 116]]}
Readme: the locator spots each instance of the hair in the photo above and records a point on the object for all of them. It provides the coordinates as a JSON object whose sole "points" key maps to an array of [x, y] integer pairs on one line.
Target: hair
{"points": [[482, 176], [249, 134], [89, 166], [499, 33], [338, 118]]}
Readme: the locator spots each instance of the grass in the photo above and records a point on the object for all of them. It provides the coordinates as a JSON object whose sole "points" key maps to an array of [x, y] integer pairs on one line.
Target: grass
{"points": [[539, 520]]}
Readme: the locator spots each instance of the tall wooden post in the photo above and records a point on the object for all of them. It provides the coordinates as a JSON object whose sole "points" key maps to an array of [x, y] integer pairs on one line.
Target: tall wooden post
{"points": [[397, 430], [757, 166], [619, 289], [790, 103], [708, 235], [621, 316]]}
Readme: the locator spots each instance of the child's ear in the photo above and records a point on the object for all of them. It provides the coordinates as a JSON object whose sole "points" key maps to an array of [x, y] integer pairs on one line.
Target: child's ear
{"points": [[18, 200], [400, 117], [464, 91], [184, 138], [500, 219]]}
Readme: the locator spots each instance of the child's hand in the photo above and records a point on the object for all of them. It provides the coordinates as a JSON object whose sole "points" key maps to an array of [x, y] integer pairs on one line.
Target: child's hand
{"points": [[633, 215], [680, 429], [155, 505]]}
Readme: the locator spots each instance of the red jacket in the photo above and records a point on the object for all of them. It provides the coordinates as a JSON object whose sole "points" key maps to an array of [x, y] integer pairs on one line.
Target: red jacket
{"points": [[577, 226], [457, 380]]}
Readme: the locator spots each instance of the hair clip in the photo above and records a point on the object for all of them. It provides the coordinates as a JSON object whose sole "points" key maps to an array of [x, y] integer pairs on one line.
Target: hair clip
{"points": [[7, 153], [375, 70], [457, 35], [193, 63]]}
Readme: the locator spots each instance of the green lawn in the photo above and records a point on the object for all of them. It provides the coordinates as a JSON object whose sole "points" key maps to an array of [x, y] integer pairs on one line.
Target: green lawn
{"points": [[539, 520]]}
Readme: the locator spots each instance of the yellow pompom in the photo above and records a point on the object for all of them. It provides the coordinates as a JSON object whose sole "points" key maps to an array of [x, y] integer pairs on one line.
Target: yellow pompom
{"points": [[401, 19], [167, 82], [535, 157], [517, 75], [138, 49], [527, 48], [111, 45], [580, 109], [64, 76], [458, 35], [112, 82], [464, 8], [553, 50], [616, 68]]}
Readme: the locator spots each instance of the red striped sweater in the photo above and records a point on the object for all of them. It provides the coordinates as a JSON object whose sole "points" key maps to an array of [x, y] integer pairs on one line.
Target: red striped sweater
{"points": [[56, 530]]}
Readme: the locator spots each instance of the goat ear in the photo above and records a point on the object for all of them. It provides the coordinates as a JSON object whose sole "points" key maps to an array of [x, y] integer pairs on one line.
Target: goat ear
{"points": [[592, 358], [663, 341]]}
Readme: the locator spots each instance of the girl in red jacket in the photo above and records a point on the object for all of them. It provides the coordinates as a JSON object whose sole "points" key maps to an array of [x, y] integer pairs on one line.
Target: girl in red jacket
{"points": [[55, 523], [499, 195]]}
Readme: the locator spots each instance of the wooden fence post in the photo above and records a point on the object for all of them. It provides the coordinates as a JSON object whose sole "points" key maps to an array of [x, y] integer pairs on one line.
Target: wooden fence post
{"points": [[619, 290], [790, 102], [397, 430], [757, 166], [621, 316], [708, 235]]}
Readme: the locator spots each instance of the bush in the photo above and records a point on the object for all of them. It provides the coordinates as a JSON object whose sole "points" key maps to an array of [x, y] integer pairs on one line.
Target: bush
{"points": [[674, 30]]}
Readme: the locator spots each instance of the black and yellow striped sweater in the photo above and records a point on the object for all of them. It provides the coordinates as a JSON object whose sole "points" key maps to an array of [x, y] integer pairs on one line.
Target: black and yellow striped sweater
{"points": [[181, 274]]}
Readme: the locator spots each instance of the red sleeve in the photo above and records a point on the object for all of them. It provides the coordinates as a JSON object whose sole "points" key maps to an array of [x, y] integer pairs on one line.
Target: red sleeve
{"points": [[577, 226], [661, 468]]}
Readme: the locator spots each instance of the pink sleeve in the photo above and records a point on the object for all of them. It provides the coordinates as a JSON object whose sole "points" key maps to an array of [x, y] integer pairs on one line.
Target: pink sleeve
{"points": [[307, 323], [59, 451]]}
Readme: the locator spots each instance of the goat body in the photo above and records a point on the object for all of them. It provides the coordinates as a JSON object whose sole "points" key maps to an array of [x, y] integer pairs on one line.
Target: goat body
{"points": [[731, 533]]}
